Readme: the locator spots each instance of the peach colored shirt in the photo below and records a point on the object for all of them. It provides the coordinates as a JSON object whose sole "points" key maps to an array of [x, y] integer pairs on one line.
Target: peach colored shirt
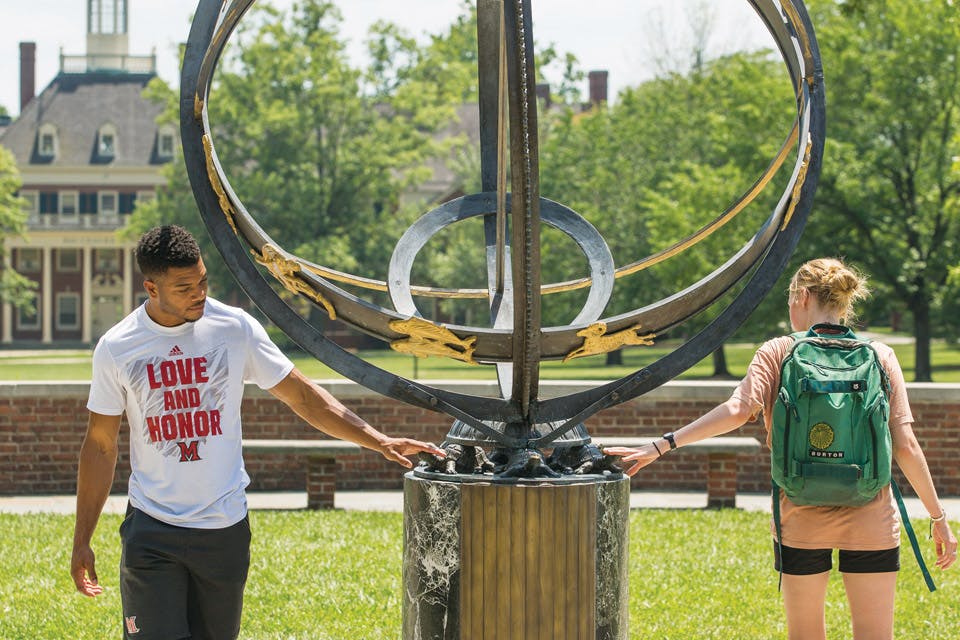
{"points": [[872, 527]]}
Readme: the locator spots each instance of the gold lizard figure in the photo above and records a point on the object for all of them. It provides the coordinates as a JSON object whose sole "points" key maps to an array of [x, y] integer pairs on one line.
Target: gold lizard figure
{"points": [[285, 270], [596, 341], [428, 339], [215, 183]]}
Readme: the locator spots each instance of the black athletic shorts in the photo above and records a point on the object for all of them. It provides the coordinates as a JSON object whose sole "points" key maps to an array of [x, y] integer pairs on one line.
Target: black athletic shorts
{"points": [[806, 562], [178, 582]]}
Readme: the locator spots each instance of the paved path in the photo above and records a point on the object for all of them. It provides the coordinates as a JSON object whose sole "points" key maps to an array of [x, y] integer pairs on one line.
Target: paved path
{"points": [[393, 501]]}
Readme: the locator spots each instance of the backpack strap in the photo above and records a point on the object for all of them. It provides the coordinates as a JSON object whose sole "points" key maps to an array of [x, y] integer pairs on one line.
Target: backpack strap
{"points": [[905, 519], [775, 493]]}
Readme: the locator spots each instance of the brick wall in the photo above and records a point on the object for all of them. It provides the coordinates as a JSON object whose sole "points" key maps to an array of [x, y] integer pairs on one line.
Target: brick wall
{"points": [[42, 426]]}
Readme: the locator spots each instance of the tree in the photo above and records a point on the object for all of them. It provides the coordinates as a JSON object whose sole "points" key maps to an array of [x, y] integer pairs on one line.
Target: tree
{"points": [[889, 190], [14, 288], [318, 150], [667, 158]]}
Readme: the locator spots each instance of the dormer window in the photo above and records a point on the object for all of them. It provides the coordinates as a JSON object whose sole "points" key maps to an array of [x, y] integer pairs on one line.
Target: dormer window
{"points": [[165, 142], [107, 141], [48, 145], [47, 141]]}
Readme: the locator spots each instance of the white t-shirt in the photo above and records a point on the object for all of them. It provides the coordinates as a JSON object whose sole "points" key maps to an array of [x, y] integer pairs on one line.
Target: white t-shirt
{"points": [[181, 388]]}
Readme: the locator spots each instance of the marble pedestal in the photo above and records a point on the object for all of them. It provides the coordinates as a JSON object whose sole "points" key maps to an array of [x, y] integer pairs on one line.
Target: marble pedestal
{"points": [[522, 561]]}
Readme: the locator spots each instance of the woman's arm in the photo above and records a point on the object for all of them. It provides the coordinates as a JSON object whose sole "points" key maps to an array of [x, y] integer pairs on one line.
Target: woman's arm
{"points": [[723, 418], [910, 459]]}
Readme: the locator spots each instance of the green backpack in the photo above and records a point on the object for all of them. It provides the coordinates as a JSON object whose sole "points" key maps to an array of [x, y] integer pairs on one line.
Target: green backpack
{"points": [[830, 441]]}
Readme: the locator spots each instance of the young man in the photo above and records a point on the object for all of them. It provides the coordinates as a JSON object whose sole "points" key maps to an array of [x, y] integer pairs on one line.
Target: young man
{"points": [[177, 367]]}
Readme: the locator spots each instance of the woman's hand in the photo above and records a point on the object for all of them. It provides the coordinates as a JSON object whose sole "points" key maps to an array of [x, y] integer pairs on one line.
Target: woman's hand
{"points": [[946, 543], [640, 457]]}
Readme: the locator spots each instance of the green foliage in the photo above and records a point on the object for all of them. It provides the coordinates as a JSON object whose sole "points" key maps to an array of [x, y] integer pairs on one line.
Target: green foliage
{"points": [[337, 574], [948, 302], [888, 195], [14, 288], [670, 156], [318, 151]]}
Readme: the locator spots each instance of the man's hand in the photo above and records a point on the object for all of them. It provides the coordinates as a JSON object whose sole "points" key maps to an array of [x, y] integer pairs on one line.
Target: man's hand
{"points": [[639, 457], [397, 449], [84, 572]]}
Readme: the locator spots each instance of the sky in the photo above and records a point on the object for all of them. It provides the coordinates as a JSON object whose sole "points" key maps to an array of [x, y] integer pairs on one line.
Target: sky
{"points": [[630, 39]]}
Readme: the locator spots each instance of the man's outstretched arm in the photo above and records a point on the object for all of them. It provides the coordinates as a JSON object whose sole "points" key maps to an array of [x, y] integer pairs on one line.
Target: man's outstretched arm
{"points": [[325, 413]]}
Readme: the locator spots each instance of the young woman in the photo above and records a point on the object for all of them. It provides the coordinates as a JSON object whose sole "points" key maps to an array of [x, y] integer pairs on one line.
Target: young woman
{"points": [[868, 537]]}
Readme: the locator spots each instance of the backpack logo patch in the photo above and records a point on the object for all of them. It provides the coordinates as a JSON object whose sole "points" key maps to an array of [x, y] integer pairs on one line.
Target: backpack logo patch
{"points": [[821, 435]]}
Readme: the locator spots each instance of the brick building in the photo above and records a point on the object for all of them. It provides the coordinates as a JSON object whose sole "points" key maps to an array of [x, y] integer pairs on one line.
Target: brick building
{"points": [[88, 148]]}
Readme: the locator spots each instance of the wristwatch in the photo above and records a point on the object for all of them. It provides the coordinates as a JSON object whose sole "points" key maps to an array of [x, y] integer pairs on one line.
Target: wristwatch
{"points": [[669, 438]]}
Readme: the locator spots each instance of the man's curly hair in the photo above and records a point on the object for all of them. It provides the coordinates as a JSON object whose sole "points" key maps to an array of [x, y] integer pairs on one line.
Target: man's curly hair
{"points": [[164, 247]]}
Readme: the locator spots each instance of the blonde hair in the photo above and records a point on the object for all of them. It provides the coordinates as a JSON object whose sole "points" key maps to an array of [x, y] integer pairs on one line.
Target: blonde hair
{"points": [[834, 285]]}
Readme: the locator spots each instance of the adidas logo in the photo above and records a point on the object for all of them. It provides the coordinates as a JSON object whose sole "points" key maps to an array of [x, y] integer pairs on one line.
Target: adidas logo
{"points": [[175, 351]]}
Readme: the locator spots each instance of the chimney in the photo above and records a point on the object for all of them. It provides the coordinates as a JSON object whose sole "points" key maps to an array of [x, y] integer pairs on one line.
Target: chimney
{"points": [[543, 94], [28, 72], [598, 86]]}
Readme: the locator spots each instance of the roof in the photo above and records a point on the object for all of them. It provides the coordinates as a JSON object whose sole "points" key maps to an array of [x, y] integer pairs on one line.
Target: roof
{"points": [[77, 105]]}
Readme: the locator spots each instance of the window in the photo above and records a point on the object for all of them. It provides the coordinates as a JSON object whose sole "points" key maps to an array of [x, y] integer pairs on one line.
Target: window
{"points": [[108, 202], [68, 260], [47, 141], [68, 203], [47, 144], [68, 311], [165, 142], [49, 202], [29, 318], [88, 203], [28, 260], [107, 260], [107, 144], [107, 141], [127, 203], [107, 17]]}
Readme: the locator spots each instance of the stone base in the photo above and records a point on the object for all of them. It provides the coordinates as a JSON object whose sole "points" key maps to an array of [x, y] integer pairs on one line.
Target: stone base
{"points": [[522, 561]]}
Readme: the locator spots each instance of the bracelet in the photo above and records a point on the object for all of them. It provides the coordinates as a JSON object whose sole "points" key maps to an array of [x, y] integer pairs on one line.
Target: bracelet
{"points": [[654, 443], [940, 518]]}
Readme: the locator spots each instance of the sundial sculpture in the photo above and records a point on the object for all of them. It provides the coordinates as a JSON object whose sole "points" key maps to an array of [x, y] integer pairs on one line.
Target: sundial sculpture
{"points": [[516, 428]]}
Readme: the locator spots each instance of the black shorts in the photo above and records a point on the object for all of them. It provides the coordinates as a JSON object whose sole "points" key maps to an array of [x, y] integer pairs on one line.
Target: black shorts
{"points": [[178, 582], [806, 562]]}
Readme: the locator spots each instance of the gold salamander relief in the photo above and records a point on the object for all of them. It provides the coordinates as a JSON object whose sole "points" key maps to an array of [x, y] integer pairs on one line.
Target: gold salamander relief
{"points": [[428, 339], [215, 183], [285, 270], [596, 340]]}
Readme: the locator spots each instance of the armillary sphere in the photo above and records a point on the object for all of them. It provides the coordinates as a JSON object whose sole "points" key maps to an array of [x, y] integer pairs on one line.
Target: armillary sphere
{"points": [[515, 342]]}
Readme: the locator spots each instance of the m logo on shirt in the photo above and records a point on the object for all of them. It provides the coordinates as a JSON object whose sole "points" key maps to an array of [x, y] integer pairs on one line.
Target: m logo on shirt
{"points": [[189, 452]]}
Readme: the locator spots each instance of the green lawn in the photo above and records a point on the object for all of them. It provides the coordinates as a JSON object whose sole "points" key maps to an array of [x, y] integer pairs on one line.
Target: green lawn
{"points": [[75, 365], [336, 575]]}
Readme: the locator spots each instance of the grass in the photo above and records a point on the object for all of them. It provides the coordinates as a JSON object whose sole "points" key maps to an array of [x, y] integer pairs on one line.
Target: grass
{"points": [[75, 365], [336, 575]]}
